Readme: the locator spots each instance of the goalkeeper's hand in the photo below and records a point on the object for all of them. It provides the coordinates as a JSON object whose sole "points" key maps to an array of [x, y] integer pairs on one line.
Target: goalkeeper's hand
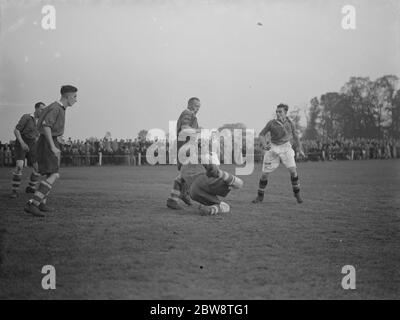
{"points": [[60, 140], [212, 170], [267, 146]]}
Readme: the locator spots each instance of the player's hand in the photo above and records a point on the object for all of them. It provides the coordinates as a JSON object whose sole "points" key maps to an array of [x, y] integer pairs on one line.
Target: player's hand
{"points": [[301, 154], [267, 146], [25, 147], [56, 151], [61, 140], [212, 170]]}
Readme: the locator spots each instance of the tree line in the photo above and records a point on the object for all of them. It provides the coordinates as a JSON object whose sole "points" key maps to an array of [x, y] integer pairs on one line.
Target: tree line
{"points": [[362, 109]]}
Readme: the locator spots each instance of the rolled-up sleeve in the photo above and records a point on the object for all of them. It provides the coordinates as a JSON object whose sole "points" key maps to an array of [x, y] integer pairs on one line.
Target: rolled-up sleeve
{"points": [[294, 131], [50, 118], [22, 123], [266, 129], [187, 121]]}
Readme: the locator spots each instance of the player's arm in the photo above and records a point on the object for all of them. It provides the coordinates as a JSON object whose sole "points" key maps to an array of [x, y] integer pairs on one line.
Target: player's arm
{"points": [[297, 141], [17, 132], [48, 123], [186, 124], [189, 129], [265, 138], [21, 141], [49, 138]]}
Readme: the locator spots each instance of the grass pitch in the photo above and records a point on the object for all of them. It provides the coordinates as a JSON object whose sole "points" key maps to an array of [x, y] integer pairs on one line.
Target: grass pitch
{"points": [[111, 236]]}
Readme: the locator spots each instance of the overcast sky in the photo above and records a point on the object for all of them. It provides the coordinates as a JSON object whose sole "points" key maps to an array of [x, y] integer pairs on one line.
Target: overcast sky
{"points": [[137, 65]]}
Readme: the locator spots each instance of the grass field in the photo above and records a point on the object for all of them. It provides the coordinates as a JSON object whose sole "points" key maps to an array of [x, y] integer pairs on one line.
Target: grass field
{"points": [[112, 237]]}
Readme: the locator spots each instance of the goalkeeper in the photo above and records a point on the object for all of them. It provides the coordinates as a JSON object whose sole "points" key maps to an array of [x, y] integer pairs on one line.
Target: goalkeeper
{"points": [[206, 183]]}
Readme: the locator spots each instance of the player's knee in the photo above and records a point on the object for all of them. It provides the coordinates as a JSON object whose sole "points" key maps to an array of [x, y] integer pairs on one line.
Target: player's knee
{"points": [[35, 167], [293, 171], [53, 177], [237, 183], [19, 166]]}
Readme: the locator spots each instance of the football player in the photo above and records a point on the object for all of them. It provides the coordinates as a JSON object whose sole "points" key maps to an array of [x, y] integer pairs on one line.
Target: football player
{"points": [[207, 183], [26, 133], [187, 120], [51, 127], [278, 148]]}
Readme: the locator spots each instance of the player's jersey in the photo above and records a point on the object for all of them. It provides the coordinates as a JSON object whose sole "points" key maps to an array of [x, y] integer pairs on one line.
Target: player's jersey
{"points": [[28, 128], [206, 190], [53, 117], [186, 120], [190, 172], [281, 132]]}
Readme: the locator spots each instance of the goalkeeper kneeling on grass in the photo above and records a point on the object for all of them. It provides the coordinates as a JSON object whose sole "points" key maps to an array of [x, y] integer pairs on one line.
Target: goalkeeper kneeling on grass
{"points": [[206, 183]]}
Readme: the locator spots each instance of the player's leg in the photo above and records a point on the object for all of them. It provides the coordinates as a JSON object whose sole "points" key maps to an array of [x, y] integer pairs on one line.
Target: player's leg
{"points": [[33, 182], [50, 181], [270, 164], [34, 179], [179, 189], [213, 171], [262, 185], [181, 186], [231, 180], [288, 159], [215, 209], [294, 177], [37, 204], [17, 178], [176, 193], [48, 165], [209, 204], [205, 190], [33, 163]]}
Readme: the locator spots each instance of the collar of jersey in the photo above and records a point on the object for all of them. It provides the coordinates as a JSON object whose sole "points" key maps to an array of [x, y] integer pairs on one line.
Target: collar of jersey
{"points": [[62, 106]]}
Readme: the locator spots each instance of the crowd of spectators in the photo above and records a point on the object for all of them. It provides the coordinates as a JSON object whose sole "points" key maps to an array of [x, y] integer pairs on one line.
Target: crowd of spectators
{"points": [[351, 149], [133, 152], [90, 152], [104, 152]]}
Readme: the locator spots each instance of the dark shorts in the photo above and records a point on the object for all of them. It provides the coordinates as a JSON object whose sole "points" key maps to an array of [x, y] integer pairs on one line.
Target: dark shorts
{"points": [[48, 162], [206, 190], [21, 154], [180, 144]]}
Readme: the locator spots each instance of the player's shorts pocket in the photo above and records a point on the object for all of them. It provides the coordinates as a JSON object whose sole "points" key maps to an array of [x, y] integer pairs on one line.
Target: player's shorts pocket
{"points": [[271, 161], [288, 158]]}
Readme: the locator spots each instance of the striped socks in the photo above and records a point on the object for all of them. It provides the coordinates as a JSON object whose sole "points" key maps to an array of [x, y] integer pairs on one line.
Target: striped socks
{"points": [[231, 180], [295, 184], [41, 193], [34, 180], [261, 187], [215, 209], [16, 181], [176, 189]]}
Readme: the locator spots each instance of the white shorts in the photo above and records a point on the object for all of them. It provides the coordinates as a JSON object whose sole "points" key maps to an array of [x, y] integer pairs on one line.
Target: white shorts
{"points": [[276, 154]]}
